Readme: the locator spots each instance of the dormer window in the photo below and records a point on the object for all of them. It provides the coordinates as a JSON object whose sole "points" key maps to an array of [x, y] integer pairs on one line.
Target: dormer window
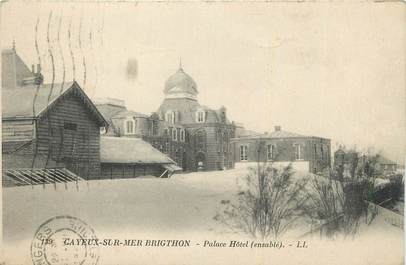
{"points": [[170, 117], [129, 126], [200, 116]]}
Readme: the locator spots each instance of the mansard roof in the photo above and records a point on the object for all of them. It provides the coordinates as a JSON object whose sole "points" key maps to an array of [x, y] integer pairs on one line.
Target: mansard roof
{"points": [[187, 109]]}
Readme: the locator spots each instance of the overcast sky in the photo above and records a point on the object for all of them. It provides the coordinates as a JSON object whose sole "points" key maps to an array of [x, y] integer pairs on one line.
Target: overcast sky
{"points": [[330, 70]]}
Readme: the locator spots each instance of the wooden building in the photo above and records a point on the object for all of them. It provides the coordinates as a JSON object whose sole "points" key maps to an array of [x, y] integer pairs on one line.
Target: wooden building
{"points": [[51, 126], [125, 157]]}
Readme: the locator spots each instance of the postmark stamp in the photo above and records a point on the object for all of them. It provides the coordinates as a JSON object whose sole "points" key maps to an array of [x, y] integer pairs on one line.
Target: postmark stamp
{"points": [[48, 245]]}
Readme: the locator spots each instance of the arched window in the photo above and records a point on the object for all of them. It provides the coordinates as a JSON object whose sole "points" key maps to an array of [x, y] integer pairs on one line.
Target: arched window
{"points": [[166, 132], [182, 135], [200, 139], [200, 116], [129, 126], [170, 116], [175, 134]]}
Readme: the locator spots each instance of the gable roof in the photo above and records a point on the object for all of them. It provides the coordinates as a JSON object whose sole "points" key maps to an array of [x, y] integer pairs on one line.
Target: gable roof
{"points": [[129, 113], [108, 111], [25, 96], [123, 150]]}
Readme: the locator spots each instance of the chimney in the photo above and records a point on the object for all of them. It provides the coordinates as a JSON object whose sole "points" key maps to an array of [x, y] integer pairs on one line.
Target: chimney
{"points": [[38, 68], [223, 112], [32, 69], [277, 128]]}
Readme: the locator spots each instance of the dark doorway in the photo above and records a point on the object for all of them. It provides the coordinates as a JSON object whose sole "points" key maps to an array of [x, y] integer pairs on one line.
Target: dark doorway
{"points": [[200, 161], [184, 161]]}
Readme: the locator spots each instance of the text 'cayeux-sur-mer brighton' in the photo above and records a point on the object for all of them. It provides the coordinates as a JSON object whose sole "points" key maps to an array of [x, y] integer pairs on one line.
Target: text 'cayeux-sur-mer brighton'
{"points": [[182, 243]]}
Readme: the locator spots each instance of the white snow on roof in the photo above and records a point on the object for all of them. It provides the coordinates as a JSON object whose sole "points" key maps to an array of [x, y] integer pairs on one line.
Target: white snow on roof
{"points": [[124, 150]]}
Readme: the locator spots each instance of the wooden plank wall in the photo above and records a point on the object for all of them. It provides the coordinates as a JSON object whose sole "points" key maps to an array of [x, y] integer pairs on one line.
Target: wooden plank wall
{"points": [[17, 130], [114, 171], [78, 150]]}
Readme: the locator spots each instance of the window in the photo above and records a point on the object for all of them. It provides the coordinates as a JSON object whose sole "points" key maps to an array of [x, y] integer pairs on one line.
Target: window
{"points": [[182, 135], [103, 130], [244, 152], [70, 126], [322, 152], [200, 139], [170, 116], [129, 127], [270, 150], [167, 148], [154, 127], [166, 132], [175, 134], [200, 116], [298, 152]]}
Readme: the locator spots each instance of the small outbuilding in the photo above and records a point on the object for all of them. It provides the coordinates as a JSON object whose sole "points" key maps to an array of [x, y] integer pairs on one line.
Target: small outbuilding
{"points": [[123, 157]]}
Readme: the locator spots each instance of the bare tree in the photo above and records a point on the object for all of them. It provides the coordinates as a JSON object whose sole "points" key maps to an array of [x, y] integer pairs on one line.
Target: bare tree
{"points": [[337, 204], [267, 205]]}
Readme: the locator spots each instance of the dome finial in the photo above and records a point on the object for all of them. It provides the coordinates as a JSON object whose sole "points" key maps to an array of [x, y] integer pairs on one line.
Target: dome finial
{"points": [[180, 63]]}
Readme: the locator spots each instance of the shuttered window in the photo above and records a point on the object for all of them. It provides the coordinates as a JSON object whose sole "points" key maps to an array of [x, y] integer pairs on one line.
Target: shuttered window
{"points": [[270, 151], [244, 152]]}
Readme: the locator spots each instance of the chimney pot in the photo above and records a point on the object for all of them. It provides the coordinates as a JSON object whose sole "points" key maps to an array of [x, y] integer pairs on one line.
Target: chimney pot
{"points": [[278, 128]]}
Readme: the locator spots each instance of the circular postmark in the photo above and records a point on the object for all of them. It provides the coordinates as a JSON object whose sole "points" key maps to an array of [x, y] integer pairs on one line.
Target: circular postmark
{"points": [[64, 240]]}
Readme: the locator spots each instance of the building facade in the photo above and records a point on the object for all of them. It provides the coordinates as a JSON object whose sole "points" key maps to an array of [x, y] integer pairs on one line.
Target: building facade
{"points": [[193, 135], [305, 153], [207, 131]]}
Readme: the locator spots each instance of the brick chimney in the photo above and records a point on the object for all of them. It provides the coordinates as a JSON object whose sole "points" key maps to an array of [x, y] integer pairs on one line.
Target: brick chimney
{"points": [[278, 128]]}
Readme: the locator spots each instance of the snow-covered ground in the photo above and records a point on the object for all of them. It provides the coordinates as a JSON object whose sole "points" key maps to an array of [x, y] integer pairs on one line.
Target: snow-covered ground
{"points": [[182, 206]]}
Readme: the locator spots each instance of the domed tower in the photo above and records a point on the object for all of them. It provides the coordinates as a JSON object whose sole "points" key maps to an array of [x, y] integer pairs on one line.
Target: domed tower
{"points": [[180, 102], [180, 85]]}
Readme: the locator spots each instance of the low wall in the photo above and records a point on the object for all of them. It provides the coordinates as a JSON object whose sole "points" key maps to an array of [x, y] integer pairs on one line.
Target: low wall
{"points": [[390, 217], [302, 166]]}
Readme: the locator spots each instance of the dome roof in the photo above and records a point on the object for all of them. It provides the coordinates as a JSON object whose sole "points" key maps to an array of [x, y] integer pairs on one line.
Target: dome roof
{"points": [[180, 83]]}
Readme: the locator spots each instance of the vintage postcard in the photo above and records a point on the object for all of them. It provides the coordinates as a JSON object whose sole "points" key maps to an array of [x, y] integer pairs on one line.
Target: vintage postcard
{"points": [[203, 132]]}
